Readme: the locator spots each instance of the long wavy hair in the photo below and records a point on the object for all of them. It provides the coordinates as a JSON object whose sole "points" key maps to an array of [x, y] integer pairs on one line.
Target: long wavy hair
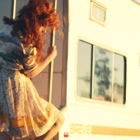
{"points": [[28, 23]]}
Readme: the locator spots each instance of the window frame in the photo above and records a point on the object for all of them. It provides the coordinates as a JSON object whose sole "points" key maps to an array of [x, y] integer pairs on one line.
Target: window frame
{"points": [[99, 5], [113, 50]]}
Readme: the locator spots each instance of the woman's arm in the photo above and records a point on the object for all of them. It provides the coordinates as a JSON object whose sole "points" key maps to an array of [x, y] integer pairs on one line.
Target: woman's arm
{"points": [[52, 52]]}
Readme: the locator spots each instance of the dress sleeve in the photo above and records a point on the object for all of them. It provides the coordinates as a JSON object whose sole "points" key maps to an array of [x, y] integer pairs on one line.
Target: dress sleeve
{"points": [[29, 58]]}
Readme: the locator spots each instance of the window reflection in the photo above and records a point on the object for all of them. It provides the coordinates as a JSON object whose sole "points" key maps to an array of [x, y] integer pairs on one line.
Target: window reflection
{"points": [[118, 79], [108, 70], [102, 74], [84, 68]]}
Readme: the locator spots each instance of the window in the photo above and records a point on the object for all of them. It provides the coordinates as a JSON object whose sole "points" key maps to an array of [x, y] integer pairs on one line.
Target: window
{"points": [[119, 78], [97, 13], [137, 1], [100, 74], [84, 69]]}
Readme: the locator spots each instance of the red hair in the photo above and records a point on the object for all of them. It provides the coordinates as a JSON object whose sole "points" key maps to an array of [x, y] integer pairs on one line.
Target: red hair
{"points": [[28, 23]]}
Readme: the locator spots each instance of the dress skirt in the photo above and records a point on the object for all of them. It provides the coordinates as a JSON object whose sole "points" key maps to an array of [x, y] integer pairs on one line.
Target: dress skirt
{"points": [[22, 112]]}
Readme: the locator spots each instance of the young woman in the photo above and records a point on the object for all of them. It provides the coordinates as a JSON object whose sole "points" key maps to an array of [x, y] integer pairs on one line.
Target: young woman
{"points": [[22, 112]]}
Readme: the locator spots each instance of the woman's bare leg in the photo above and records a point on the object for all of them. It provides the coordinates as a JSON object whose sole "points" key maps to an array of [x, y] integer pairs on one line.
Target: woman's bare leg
{"points": [[4, 136], [54, 130]]}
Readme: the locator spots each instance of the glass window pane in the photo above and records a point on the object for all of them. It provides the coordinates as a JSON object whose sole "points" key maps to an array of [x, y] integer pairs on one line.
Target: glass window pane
{"points": [[119, 67], [5, 10], [84, 69], [102, 74], [98, 13]]}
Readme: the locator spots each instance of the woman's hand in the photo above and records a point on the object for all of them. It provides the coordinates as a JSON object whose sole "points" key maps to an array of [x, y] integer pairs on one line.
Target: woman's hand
{"points": [[52, 52]]}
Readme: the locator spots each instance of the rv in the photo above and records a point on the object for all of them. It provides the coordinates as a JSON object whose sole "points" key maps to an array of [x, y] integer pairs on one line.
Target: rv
{"points": [[96, 74]]}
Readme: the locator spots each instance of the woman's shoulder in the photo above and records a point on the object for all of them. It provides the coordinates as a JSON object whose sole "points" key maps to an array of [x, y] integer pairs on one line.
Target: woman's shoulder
{"points": [[29, 49]]}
